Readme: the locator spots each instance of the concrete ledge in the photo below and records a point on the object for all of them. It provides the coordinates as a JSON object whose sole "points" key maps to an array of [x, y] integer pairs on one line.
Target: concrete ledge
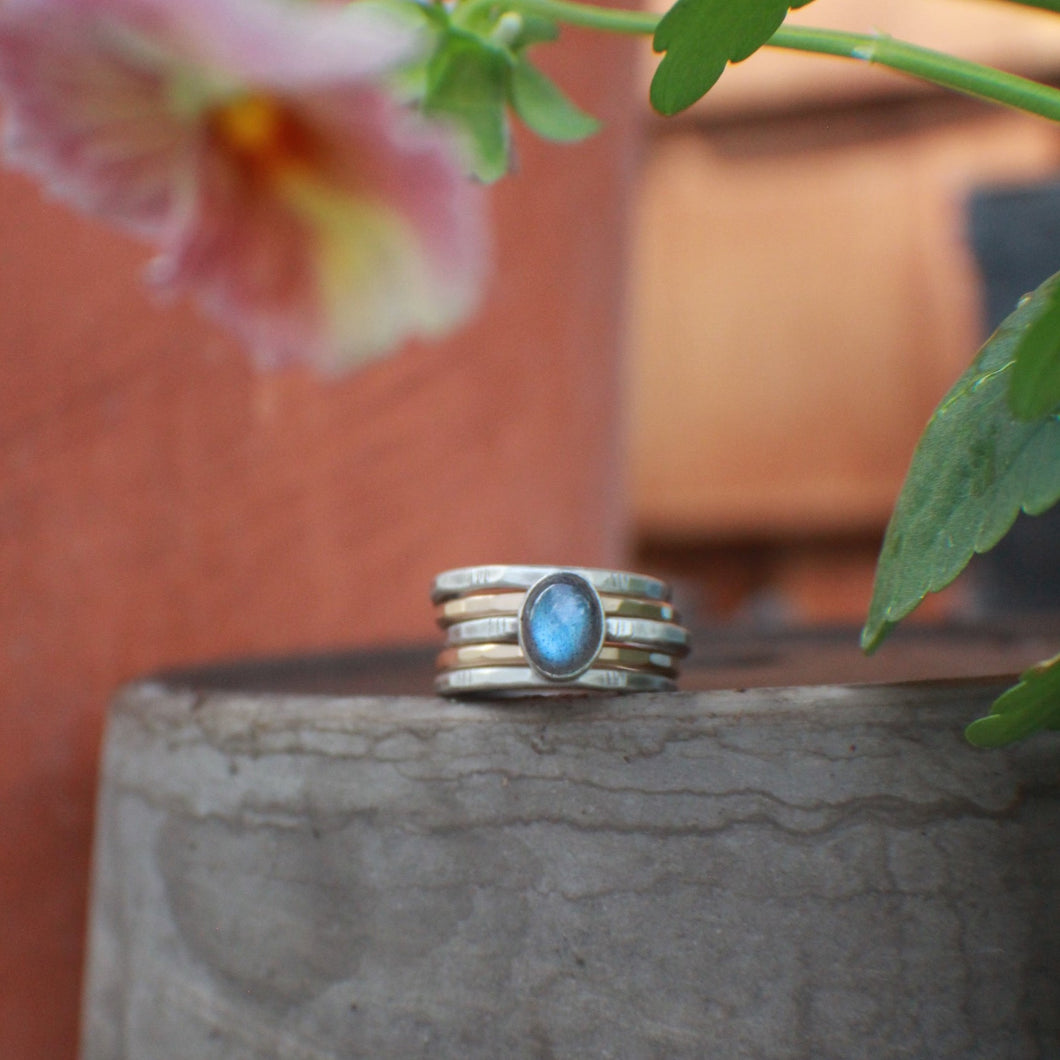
{"points": [[784, 873]]}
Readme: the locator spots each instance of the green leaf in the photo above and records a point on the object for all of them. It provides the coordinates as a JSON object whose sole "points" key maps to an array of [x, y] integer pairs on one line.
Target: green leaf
{"points": [[545, 109], [700, 37], [1030, 706], [467, 83], [1035, 387], [974, 468]]}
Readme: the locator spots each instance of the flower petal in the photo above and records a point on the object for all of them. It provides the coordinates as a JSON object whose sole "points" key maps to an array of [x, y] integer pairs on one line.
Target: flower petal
{"points": [[94, 85], [90, 119], [249, 140], [282, 43], [379, 240]]}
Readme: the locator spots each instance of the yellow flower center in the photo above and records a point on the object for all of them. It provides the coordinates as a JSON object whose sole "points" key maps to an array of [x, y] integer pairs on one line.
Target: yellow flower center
{"points": [[251, 124], [260, 134]]}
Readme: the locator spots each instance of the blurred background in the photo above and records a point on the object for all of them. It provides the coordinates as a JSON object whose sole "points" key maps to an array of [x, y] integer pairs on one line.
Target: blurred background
{"points": [[819, 247], [708, 350]]}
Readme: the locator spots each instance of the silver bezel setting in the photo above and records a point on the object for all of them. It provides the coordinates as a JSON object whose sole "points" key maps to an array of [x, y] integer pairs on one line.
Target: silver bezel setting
{"points": [[597, 621]]}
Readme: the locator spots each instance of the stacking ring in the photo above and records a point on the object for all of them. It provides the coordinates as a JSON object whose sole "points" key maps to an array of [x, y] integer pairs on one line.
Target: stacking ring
{"points": [[513, 630]]}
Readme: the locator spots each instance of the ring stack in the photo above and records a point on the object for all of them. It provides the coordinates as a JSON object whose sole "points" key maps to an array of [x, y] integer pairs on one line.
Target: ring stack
{"points": [[515, 630]]}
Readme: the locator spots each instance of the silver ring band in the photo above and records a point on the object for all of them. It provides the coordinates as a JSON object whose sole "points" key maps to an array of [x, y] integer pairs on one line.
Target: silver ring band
{"points": [[464, 580], [636, 632], [494, 680], [512, 630]]}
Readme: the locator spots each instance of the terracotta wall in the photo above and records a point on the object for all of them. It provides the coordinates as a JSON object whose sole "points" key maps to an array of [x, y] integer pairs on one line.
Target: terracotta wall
{"points": [[162, 503]]}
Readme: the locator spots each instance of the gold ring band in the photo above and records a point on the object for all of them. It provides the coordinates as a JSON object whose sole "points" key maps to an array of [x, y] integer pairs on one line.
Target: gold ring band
{"points": [[495, 605], [610, 656]]}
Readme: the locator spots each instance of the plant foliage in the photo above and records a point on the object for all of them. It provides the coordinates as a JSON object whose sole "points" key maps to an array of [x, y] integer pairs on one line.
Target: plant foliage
{"points": [[544, 108], [1035, 389], [975, 467], [467, 83], [1027, 707], [700, 37], [478, 70]]}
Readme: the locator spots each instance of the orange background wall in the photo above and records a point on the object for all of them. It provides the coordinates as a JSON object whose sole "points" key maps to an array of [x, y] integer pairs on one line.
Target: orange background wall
{"points": [[163, 503]]}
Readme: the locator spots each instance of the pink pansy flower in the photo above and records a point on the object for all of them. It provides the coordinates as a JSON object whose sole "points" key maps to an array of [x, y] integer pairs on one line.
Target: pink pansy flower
{"points": [[254, 143]]}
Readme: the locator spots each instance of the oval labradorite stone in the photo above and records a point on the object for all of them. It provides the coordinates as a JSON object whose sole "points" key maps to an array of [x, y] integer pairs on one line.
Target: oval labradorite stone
{"points": [[561, 626]]}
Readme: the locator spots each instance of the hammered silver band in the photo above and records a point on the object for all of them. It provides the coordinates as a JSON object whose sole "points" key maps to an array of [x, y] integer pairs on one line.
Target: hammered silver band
{"points": [[532, 630], [465, 580], [642, 632], [500, 680]]}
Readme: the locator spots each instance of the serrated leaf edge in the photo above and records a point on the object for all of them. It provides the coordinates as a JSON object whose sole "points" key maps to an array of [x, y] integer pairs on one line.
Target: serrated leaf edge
{"points": [[1005, 717]]}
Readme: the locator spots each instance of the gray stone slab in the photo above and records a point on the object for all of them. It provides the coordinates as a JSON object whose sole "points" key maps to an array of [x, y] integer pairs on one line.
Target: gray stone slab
{"points": [[783, 873]]}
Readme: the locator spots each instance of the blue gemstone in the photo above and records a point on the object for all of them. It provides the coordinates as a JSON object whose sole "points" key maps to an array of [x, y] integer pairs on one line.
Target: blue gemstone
{"points": [[562, 626]]}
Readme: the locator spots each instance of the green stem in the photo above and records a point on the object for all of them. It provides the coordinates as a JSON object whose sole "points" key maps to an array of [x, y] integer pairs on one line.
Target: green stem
{"points": [[960, 75], [1044, 5]]}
